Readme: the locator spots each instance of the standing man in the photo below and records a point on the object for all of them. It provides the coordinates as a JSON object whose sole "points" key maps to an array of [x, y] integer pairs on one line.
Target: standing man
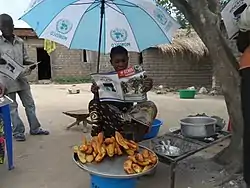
{"points": [[14, 47]]}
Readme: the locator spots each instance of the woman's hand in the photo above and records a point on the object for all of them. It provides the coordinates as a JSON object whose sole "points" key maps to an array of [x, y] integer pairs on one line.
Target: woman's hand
{"points": [[94, 88], [147, 84]]}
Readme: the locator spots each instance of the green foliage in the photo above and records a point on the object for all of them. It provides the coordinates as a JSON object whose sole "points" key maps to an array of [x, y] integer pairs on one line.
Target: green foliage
{"points": [[72, 80], [178, 15], [175, 13]]}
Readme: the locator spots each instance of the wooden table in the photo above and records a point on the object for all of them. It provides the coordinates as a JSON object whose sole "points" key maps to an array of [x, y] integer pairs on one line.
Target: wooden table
{"points": [[80, 116]]}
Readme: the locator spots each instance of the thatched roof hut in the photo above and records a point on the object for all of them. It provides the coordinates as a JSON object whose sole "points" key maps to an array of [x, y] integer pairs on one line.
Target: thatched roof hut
{"points": [[187, 43]]}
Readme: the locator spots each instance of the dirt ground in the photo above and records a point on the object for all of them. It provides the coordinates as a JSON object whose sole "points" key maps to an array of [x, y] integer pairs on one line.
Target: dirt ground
{"points": [[45, 161]]}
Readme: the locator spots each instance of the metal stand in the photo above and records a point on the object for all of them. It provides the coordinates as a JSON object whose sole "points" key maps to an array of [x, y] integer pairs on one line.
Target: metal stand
{"points": [[172, 175], [186, 143]]}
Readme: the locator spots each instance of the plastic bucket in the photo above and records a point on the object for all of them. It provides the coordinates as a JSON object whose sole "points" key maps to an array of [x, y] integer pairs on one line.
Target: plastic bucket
{"points": [[154, 129], [102, 182], [187, 93]]}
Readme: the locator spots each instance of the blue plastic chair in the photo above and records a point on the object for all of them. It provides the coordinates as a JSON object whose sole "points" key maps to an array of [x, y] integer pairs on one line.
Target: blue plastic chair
{"points": [[5, 111]]}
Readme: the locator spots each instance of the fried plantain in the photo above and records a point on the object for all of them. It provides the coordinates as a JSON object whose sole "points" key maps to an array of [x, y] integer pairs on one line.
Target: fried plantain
{"points": [[113, 139], [108, 141], [135, 144], [75, 149], [103, 149], [145, 153], [131, 145], [81, 156], [94, 146], [100, 157], [89, 150], [137, 168], [119, 151], [100, 138], [139, 157], [90, 158], [132, 158], [146, 168], [144, 163], [110, 149], [83, 148], [128, 167], [98, 147], [153, 158], [130, 152], [120, 140]]}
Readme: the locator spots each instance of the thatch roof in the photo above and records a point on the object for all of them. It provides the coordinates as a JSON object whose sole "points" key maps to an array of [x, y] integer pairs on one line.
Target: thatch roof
{"points": [[185, 43]]}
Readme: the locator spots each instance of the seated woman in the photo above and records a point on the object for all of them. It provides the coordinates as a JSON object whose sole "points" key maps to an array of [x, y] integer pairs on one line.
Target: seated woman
{"points": [[133, 121]]}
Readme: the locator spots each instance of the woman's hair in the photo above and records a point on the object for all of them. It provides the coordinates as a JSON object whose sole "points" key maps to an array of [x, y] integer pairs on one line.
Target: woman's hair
{"points": [[118, 50], [243, 41]]}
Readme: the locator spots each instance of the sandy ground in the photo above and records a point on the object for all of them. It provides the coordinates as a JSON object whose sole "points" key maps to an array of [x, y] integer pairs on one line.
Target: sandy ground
{"points": [[45, 161]]}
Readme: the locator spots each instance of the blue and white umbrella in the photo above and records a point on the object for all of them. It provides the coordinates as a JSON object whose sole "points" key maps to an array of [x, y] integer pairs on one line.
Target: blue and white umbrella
{"points": [[134, 24]]}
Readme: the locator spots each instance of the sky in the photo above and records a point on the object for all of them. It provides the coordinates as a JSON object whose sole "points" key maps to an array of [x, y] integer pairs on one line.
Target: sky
{"points": [[15, 8]]}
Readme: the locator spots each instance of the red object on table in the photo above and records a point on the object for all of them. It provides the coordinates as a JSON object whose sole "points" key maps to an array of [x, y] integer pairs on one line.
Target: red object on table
{"points": [[229, 127]]}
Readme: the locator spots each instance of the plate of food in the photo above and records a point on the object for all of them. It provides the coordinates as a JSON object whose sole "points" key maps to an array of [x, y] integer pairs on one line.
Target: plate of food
{"points": [[114, 157]]}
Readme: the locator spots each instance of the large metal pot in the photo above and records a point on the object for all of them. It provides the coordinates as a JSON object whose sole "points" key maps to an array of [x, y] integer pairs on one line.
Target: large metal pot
{"points": [[198, 127]]}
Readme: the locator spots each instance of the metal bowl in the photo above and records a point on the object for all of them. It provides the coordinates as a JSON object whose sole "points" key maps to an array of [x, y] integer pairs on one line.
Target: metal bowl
{"points": [[198, 127], [198, 121], [171, 152]]}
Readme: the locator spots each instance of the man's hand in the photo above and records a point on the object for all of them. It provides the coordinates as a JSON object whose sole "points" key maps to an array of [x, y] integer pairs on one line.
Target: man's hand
{"points": [[32, 67], [28, 62], [2, 61], [147, 84], [94, 88]]}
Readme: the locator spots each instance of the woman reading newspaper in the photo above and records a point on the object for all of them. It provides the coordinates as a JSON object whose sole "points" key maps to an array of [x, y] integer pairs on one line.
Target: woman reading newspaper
{"points": [[133, 121]]}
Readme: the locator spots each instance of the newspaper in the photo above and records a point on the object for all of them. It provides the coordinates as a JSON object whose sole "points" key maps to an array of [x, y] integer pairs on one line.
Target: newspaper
{"points": [[122, 86], [231, 14], [12, 69]]}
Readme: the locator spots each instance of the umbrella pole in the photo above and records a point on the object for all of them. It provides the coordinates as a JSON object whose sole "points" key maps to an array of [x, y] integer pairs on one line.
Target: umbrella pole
{"points": [[100, 35]]}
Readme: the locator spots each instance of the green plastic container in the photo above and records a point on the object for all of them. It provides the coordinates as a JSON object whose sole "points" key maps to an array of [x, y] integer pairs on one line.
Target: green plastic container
{"points": [[187, 93]]}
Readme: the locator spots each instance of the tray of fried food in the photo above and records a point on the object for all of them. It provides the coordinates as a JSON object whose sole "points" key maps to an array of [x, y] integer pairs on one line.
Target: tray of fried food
{"points": [[114, 159], [98, 148], [140, 162]]}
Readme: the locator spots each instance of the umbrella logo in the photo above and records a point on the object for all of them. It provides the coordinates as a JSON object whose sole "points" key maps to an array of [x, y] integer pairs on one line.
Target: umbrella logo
{"points": [[160, 16], [119, 35], [64, 26]]}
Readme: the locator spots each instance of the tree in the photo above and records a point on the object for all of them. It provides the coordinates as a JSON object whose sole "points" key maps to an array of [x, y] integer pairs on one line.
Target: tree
{"points": [[205, 18]]}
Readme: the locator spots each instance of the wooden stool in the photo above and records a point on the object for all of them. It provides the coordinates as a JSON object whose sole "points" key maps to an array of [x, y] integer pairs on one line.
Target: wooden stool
{"points": [[80, 116]]}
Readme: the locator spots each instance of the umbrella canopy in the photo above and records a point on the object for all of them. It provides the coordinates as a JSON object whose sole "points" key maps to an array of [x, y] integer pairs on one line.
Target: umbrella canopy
{"points": [[134, 24]]}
